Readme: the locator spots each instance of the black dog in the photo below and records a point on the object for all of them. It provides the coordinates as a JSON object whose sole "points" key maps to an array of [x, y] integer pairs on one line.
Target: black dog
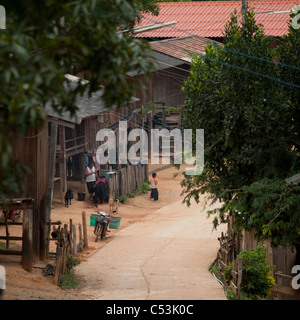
{"points": [[68, 197]]}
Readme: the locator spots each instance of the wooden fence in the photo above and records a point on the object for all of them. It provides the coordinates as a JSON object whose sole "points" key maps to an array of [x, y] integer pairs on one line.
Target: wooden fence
{"points": [[283, 259], [283, 289], [66, 243], [126, 180], [25, 205], [226, 256]]}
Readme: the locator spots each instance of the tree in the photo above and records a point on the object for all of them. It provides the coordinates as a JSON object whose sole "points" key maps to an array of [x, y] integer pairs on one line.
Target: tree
{"points": [[42, 42], [251, 138]]}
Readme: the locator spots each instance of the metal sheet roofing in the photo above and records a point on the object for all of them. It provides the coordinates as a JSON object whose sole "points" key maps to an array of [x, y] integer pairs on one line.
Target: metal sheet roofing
{"points": [[208, 18], [87, 105], [182, 48]]}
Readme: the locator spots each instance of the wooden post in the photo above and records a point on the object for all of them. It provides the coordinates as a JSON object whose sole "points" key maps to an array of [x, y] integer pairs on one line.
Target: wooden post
{"points": [[85, 238], [62, 158], [27, 250], [239, 277], [6, 230], [59, 257], [44, 231], [71, 235], [51, 168], [80, 246], [74, 240]]}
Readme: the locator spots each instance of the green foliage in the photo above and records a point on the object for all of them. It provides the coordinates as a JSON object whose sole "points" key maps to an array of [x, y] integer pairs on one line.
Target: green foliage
{"points": [[43, 41], [270, 208], [251, 127], [68, 279], [227, 272], [72, 263], [256, 282], [255, 279], [143, 189]]}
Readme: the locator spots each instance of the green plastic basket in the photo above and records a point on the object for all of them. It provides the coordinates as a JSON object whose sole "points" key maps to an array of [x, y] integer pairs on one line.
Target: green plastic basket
{"points": [[114, 222], [93, 218]]}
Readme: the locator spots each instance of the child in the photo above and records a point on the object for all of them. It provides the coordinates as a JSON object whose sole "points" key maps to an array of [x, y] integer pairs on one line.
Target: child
{"points": [[153, 184]]}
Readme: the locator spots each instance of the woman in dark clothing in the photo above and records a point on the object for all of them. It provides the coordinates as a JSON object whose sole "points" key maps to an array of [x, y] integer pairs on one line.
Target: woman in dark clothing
{"points": [[101, 190]]}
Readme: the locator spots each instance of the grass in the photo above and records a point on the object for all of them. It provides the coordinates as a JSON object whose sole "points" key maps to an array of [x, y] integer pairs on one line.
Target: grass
{"points": [[12, 246], [143, 189], [68, 280]]}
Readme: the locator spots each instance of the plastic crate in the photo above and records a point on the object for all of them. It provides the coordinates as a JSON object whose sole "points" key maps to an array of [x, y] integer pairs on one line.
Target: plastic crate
{"points": [[114, 222]]}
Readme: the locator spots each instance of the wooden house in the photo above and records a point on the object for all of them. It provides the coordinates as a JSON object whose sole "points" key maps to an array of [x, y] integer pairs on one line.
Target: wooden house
{"points": [[46, 151]]}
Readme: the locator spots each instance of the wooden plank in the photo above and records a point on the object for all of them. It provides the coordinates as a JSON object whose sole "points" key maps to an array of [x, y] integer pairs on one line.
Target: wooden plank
{"points": [[279, 274], [233, 287], [10, 252], [285, 290], [234, 274], [27, 249], [51, 167], [59, 257], [11, 238], [44, 230]]}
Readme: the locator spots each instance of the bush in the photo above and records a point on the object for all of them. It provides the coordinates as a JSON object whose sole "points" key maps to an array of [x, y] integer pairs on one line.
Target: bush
{"points": [[68, 280], [256, 281]]}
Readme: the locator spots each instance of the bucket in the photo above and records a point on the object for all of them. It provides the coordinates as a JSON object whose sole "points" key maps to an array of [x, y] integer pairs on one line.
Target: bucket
{"points": [[114, 222], [81, 196]]}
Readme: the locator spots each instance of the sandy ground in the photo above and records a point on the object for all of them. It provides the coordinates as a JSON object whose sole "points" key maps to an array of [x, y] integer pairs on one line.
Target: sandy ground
{"points": [[21, 285]]}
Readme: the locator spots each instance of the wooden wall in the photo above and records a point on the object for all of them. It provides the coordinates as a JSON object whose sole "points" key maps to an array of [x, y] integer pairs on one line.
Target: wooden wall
{"points": [[166, 86], [109, 119], [32, 151]]}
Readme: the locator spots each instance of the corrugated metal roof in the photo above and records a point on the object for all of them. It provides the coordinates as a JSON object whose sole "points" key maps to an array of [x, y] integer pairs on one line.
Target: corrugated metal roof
{"points": [[87, 105], [182, 48], [208, 18]]}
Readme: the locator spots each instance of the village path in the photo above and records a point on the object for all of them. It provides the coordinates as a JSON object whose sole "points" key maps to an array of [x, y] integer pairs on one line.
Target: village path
{"points": [[164, 255]]}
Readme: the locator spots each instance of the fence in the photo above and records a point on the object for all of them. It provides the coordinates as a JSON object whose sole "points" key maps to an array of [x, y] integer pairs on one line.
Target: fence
{"points": [[283, 289], [126, 180], [66, 243], [283, 259], [226, 256], [24, 205]]}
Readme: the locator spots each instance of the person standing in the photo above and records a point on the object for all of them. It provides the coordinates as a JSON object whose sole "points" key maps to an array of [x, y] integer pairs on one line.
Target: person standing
{"points": [[90, 178], [153, 185]]}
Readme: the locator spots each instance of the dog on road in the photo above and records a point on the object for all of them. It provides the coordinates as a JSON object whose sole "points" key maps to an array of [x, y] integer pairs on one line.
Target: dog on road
{"points": [[113, 205]]}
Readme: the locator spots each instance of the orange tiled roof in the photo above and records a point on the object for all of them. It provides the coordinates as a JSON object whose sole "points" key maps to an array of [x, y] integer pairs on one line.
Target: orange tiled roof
{"points": [[208, 18]]}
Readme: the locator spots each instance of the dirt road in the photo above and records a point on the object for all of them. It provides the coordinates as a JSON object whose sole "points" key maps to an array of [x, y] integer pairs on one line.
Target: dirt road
{"points": [[162, 250], [165, 255]]}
